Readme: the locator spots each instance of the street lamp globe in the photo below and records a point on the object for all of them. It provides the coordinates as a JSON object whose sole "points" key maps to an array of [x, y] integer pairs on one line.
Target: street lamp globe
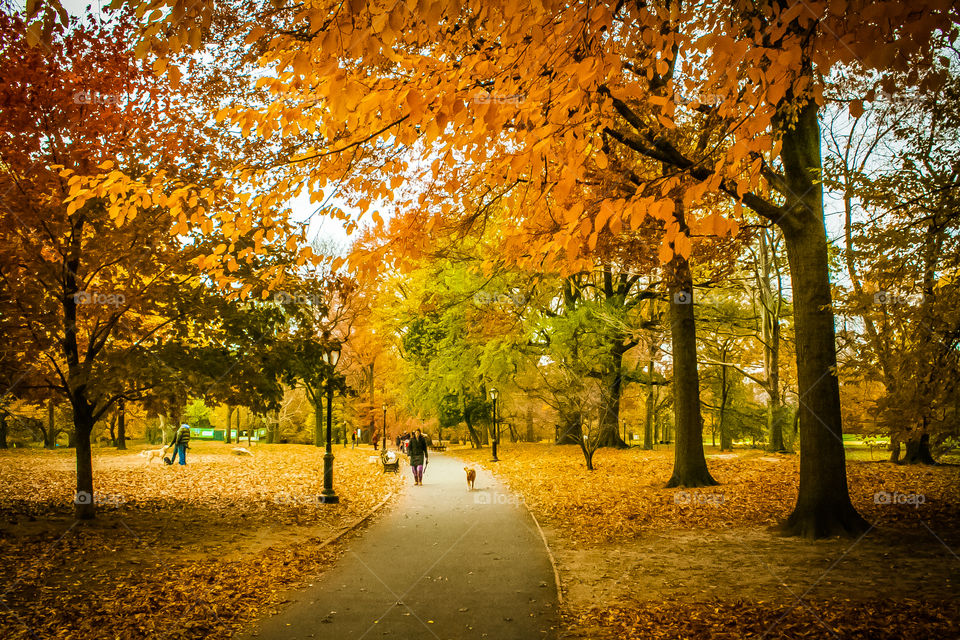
{"points": [[494, 394]]}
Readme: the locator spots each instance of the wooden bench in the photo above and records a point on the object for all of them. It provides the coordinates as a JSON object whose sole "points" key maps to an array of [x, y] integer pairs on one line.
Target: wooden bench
{"points": [[438, 447], [393, 466]]}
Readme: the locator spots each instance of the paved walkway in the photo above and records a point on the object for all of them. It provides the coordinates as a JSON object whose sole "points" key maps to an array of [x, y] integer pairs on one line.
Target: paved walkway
{"points": [[443, 563]]}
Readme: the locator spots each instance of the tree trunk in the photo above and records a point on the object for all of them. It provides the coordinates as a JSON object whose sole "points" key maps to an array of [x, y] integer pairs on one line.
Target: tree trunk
{"points": [[272, 423], [226, 435], [3, 430], [894, 450], [726, 441], [83, 426], [918, 451], [823, 503], [474, 435], [588, 452], [571, 429], [775, 423], [770, 306], [612, 390], [121, 441], [50, 435], [113, 429], [689, 463], [648, 431], [531, 437], [373, 410]]}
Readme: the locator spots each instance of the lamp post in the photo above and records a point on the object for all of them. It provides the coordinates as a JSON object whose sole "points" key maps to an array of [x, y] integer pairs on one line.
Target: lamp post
{"points": [[494, 394], [384, 407], [329, 496]]}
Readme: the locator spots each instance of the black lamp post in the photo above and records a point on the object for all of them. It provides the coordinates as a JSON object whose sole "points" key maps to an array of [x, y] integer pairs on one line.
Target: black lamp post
{"points": [[328, 496], [384, 427], [494, 394]]}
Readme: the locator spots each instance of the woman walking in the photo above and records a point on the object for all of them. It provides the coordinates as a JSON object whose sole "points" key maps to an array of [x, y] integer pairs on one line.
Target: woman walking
{"points": [[418, 456]]}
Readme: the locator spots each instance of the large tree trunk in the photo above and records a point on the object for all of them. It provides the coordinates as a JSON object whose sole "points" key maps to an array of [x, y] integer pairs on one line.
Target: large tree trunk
{"points": [[823, 503], [3, 430], [226, 435], [689, 463], [121, 440], [612, 390], [918, 451]]}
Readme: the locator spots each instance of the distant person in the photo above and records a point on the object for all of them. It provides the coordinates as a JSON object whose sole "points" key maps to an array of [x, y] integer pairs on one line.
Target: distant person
{"points": [[353, 439], [180, 443], [418, 456], [376, 440]]}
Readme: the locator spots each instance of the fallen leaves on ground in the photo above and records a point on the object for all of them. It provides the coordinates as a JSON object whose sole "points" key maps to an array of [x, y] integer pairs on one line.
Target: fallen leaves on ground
{"points": [[174, 553], [846, 620], [622, 508], [624, 495]]}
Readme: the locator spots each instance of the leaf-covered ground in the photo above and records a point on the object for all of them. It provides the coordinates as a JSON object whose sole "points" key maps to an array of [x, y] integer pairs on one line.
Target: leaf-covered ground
{"points": [[640, 561], [191, 552]]}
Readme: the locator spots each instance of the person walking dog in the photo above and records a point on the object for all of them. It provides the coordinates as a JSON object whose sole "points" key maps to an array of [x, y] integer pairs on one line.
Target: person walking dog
{"points": [[418, 456], [181, 442]]}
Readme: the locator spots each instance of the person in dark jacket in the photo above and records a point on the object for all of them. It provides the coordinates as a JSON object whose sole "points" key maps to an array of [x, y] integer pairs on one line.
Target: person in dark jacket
{"points": [[418, 456], [181, 440]]}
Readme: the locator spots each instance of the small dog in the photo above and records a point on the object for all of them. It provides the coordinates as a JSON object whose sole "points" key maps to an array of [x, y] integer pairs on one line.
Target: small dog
{"points": [[471, 477], [153, 454]]}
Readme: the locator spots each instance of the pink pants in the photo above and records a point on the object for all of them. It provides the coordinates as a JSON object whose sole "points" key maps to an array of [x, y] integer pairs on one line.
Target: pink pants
{"points": [[418, 473]]}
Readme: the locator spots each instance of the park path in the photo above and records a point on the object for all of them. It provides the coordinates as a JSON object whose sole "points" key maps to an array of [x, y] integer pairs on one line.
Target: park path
{"points": [[443, 563]]}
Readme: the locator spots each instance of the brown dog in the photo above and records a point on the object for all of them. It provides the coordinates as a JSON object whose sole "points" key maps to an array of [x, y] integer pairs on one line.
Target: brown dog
{"points": [[471, 477]]}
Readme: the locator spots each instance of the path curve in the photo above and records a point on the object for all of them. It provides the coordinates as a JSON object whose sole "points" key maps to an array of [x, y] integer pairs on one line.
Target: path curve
{"points": [[443, 563]]}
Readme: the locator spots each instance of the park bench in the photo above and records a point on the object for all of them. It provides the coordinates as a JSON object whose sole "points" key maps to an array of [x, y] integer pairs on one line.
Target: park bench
{"points": [[438, 447], [390, 461]]}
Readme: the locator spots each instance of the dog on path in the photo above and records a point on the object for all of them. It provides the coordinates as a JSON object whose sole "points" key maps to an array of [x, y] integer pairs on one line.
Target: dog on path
{"points": [[153, 454], [471, 477]]}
